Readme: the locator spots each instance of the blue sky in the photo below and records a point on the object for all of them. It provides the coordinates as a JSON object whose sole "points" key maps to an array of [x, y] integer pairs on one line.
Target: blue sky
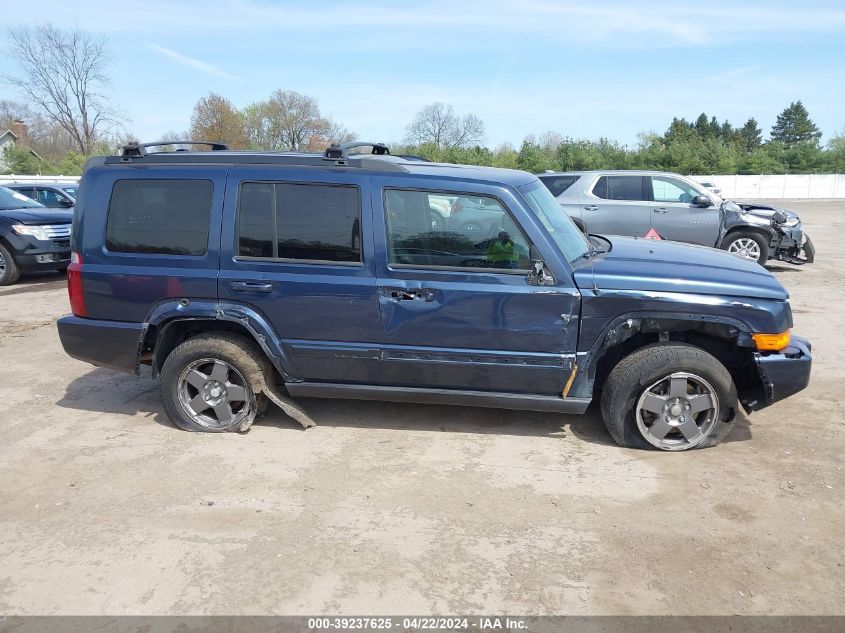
{"points": [[584, 69]]}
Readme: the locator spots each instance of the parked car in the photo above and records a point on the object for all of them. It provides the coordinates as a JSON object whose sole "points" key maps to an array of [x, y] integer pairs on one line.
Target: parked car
{"points": [[710, 186], [243, 276], [32, 237], [638, 203], [58, 195]]}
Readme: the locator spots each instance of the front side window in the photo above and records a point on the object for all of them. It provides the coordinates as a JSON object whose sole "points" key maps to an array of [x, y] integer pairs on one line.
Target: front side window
{"points": [[473, 232], [299, 222], [667, 189], [619, 188], [166, 217], [50, 198]]}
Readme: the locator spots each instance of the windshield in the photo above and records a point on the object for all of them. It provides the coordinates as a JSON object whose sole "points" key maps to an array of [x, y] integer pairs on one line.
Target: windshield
{"points": [[569, 239], [71, 191], [13, 200]]}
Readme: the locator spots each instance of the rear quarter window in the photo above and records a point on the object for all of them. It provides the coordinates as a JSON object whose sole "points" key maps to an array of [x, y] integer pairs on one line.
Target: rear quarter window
{"points": [[165, 217], [558, 184]]}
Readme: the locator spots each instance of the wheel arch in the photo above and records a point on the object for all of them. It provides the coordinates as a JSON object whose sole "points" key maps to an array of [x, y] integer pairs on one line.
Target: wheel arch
{"points": [[727, 339], [762, 231], [174, 321]]}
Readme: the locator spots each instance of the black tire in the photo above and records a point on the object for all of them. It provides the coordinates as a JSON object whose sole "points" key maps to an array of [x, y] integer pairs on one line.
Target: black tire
{"points": [[635, 373], [761, 241], [10, 272], [236, 351]]}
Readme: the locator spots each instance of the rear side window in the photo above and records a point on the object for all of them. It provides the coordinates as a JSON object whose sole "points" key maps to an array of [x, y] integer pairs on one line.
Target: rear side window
{"points": [[619, 188], [165, 217], [558, 184], [299, 222]]}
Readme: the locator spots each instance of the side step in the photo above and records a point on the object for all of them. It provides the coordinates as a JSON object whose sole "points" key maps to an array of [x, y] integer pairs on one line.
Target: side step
{"points": [[519, 401]]}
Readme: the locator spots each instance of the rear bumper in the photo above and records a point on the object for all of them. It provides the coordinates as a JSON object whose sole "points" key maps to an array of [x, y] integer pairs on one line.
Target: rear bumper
{"points": [[112, 344], [782, 374]]}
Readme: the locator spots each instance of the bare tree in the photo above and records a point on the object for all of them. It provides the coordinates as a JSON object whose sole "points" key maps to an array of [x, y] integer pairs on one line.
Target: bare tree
{"points": [[216, 119], [63, 75], [288, 121], [439, 125]]}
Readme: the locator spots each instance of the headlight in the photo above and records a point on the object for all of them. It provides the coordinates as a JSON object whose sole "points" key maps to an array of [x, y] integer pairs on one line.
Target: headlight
{"points": [[38, 232], [792, 222]]}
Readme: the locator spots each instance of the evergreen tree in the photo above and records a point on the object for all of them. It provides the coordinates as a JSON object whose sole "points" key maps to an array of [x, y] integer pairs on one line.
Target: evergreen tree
{"points": [[794, 126], [750, 135]]}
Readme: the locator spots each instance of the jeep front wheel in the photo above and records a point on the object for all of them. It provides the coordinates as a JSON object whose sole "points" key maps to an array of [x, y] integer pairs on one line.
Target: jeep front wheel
{"points": [[670, 396], [214, 382]]}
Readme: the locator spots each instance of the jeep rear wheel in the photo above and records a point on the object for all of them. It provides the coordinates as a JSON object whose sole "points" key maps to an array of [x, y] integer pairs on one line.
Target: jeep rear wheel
{"points": [[214, 382], [747, 245], [670, 396]]}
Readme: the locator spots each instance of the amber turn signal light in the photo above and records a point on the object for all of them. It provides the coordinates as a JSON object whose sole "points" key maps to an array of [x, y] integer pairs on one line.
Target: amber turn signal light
{"points": [[771, 342]]}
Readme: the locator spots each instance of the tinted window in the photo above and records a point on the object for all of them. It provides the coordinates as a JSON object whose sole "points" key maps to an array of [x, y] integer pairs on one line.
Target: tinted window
{"points": [[667, 189], [305, 222], [619, 188], [476, 232], [168, 217], [558, 184], [256, 224], [51, 198]]}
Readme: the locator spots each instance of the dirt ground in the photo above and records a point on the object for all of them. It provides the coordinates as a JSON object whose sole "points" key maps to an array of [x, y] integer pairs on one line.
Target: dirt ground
{"points": [[105, 508]]}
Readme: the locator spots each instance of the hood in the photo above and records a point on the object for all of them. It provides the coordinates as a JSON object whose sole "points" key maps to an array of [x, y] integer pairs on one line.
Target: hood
{"points": [[38, 216], [653, 265], [766, 211]]}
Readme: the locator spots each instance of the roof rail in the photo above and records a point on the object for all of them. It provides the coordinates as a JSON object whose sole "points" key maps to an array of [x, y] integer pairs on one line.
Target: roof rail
{"points": [[134, 148], [341, 152]]}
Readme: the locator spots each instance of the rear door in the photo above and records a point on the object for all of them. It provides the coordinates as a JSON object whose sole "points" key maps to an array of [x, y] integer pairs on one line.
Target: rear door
{"points": [[617, 205], [674, 216], [456, 309], [293, 247]]}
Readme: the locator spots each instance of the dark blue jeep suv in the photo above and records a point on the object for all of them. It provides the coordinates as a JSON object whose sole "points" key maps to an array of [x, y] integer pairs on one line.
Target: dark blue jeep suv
{"points": [[243, 276]]}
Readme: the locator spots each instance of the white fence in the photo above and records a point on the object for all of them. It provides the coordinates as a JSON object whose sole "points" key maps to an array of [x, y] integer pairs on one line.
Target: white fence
{"points": [[783, 186], [4, 178]]}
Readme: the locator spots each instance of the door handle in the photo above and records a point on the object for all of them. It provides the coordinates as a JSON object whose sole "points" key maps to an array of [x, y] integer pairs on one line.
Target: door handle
{"points": [[251, 286], [661, 210], [591, 207], [419, 294]]}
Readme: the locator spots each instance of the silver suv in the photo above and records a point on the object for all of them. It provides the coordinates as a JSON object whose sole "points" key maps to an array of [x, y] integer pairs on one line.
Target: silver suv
{"points": [[673, 207]]}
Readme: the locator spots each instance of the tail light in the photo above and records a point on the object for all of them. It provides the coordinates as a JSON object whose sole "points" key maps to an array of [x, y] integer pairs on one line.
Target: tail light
{"points": [[456, 206], [74, 286]]}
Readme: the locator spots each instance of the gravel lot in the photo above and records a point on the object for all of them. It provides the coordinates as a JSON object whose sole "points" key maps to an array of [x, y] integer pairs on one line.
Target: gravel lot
{"points": [[105, 508]]}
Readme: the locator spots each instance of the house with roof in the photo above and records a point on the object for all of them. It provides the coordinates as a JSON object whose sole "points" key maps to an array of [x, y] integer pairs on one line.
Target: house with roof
{"points": [[16, 136]]}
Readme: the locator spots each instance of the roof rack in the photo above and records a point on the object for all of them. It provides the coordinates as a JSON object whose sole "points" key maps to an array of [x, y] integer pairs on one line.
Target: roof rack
{"points": [[133, 148], [341, 152], [379, 159]]}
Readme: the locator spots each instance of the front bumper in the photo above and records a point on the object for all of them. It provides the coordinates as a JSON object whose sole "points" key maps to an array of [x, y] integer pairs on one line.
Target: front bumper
{"points": [[793, 245], [31, 254], [782, 374]]}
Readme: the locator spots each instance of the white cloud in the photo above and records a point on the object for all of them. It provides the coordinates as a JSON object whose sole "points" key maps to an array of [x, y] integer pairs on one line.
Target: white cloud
{"points": [[198, 64]]}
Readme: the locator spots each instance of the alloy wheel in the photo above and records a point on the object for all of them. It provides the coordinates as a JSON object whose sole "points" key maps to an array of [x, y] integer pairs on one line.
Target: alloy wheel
{"points": [[746, 248], [215, 394], [677, 412]]}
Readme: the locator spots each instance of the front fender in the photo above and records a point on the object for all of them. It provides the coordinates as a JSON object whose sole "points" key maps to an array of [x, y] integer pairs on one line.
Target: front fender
{"points": [[171, 311], [606, 315]]}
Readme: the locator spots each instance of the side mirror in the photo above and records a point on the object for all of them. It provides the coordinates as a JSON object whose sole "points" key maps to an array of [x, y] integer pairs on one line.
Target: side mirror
{"points": [[539, 274], [64, 203], [702, 201]]}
